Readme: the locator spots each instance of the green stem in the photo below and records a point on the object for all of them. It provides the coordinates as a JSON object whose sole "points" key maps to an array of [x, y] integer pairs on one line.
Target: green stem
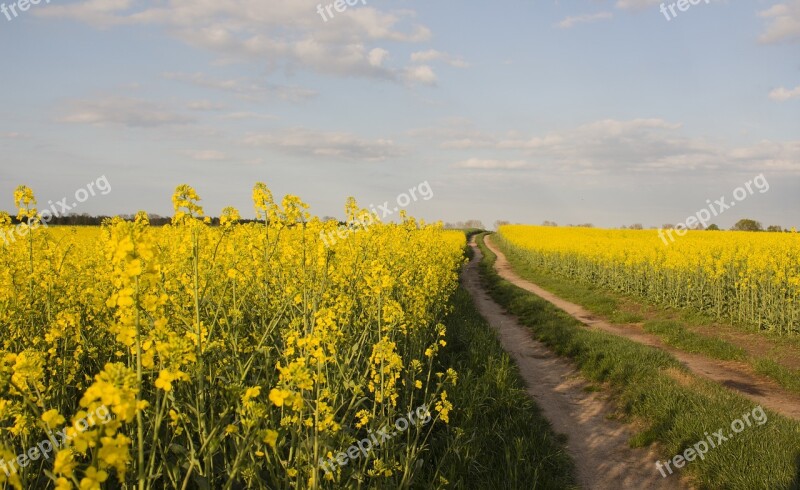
{"points": [[139, 377]]}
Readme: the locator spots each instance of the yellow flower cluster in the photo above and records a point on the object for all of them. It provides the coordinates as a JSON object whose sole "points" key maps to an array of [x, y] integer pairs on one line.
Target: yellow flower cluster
{"points": [[241, 353], [750, 278]]}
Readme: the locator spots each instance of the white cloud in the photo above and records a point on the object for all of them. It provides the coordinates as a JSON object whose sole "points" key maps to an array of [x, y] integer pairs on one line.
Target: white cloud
{"points": [[377, 56], [244, 88], [454, 134], [247, 115], [636, 4], [642, 5], [783, 94], [614, 147], [784, 22], [477, 163], [122, 111], [206, 155], [204, 105], [326, 145], [584, 19], [434, 55], [611, 145], [422, 74], [778, 156], [464, 143], [288, 33]]}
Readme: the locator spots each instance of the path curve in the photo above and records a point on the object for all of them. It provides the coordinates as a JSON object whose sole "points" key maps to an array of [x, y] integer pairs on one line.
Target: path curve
{"points": [[736, 376], [598, 445]]}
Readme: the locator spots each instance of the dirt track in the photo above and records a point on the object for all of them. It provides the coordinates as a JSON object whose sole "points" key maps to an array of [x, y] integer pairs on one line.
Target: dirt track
{"points": [[598, 445], [736, 376]]}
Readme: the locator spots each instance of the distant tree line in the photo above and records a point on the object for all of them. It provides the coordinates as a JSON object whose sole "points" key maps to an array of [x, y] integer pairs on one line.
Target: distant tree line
{"points": [[753, 225], [89, 220], [582, 225], [741, 225], [461, 225]]}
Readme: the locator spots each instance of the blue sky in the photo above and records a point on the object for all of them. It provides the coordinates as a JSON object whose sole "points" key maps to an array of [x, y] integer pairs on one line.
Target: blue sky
{"points": [[595, 111]]}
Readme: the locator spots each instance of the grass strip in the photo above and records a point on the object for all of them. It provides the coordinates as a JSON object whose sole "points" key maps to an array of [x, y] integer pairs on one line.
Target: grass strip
{"points": [[675, 334]]}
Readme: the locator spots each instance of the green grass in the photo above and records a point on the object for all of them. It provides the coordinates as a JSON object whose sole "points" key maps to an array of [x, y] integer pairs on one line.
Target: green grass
{"points": [[788, 378], [675, 334], [656, 392], [497, 437]]}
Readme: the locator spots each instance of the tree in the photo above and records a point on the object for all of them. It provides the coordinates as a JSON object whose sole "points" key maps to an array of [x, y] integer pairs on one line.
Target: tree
{"points": [[637, 226], [474, 223], [499, 223], [549, 223], [775, 229], [712, 227], [747, 225]]}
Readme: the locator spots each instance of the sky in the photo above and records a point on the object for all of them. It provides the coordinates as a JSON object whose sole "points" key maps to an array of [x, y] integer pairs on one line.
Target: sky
{"points": [[607, 112]]}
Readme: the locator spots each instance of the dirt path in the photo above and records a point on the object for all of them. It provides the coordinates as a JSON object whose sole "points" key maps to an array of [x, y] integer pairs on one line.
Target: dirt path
{"points": [[736, 376], [598, 445]]}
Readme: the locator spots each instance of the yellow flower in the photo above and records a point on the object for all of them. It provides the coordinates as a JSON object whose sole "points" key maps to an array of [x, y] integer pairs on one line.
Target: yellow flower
{"points": [[93, 479], [251, 393], [65, 463], [229, 217], [317, 322], [63, 484], [11, 479], [115, 453], [271, 438], [278, 397], [443, 406], [167, 376], [53, 419], [24, 199], [185, 202], [363, 417]]}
